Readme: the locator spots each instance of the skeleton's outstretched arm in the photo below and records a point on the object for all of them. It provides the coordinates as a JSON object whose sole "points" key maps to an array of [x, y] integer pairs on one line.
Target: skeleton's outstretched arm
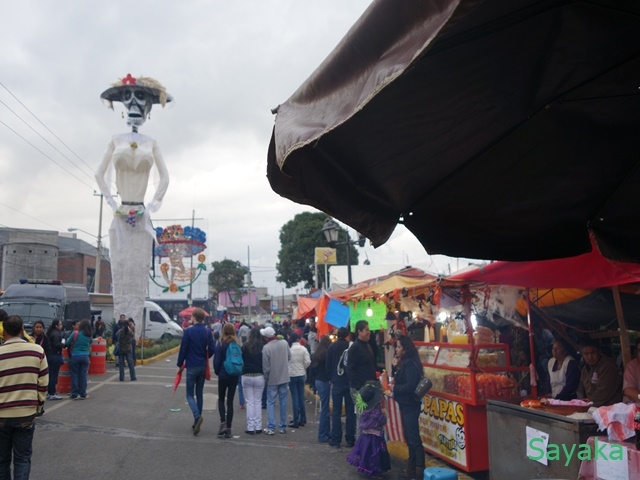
{"points": [[163, 183], [101, 176]]}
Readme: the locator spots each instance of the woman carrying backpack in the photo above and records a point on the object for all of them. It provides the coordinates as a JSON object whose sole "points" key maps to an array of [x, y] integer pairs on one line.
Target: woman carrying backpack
{"points": [[226, 370]]}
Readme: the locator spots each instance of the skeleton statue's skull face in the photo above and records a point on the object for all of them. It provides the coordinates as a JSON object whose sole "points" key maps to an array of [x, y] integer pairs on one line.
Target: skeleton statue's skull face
{"points": [[138, 103]]}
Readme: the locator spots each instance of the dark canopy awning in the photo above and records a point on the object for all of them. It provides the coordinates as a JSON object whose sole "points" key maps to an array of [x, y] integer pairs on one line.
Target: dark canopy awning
{"points": [[497, 130]]}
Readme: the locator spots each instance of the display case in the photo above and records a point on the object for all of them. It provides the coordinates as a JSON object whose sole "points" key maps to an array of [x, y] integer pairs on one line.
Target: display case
{"points": [[470, 373], [453, 423]]}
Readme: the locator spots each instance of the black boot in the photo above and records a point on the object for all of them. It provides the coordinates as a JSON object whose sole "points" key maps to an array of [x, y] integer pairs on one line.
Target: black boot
{"points": [[223, 429], [409, 473], [419, 473]]}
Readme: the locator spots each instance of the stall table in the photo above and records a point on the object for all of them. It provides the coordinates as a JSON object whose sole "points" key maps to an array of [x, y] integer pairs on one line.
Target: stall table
{"points": [[513, 428]]}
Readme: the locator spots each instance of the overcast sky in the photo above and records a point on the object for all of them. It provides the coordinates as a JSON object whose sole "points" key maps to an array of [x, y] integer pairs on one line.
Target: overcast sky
{"points": [[225, 63]]}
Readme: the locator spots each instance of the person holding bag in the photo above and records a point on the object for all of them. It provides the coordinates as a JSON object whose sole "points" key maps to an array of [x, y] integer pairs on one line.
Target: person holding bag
{"points": [[196, 348], [407, 378]]}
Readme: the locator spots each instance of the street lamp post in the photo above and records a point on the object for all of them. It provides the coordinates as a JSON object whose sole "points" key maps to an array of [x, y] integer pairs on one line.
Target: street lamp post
{"points": [[331, 231]]}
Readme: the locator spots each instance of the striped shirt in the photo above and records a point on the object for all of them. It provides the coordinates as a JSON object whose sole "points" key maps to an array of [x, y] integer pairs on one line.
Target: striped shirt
{"points": [[24, 377]]}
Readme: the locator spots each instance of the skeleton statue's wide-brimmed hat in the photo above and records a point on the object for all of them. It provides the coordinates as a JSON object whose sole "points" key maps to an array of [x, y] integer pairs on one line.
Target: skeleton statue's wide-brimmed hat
{"points": [[153, 87]]}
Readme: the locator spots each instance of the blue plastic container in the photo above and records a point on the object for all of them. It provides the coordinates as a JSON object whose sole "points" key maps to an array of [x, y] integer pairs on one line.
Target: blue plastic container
{"points": [[439, 473]]}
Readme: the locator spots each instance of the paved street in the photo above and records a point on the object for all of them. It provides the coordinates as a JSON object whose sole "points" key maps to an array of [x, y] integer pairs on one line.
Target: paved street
{"points": [[128, 430]]}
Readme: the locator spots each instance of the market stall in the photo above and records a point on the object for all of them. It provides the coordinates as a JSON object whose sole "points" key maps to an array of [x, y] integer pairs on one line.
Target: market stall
{"points": [[512, 428], [453, 424]]}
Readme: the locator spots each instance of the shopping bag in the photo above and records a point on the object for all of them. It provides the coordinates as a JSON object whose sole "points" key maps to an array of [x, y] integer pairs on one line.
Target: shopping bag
{"points": [[207, 371], [177, 380]]}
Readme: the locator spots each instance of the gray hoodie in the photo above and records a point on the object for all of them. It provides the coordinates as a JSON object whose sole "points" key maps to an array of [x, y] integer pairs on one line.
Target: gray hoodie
{"points": [[275, 362]]}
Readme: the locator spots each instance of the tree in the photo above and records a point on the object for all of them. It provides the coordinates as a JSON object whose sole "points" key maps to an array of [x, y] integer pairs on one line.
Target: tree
{"points": [[228, 276], [298, 240]]}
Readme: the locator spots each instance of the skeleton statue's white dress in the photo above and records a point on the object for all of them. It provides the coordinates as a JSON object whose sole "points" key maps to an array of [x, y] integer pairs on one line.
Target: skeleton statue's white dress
{"points": [[132, 156]]}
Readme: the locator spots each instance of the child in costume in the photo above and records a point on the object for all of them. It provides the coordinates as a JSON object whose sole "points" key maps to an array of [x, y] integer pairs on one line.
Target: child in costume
{"points": [[370, 452]]}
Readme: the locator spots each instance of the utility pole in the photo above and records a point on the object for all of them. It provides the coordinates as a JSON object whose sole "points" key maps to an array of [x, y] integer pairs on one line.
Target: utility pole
{"points": [[190, 301], [248, 282], [96, 287]]}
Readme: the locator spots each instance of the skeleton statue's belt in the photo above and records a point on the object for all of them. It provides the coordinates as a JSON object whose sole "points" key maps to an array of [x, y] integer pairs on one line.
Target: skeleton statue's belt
{"points": [[132, 203]]}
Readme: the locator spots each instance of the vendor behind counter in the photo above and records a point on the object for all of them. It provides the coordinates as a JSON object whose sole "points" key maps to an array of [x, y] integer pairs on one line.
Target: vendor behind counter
{"points": [[600, 379], [631, 385]]}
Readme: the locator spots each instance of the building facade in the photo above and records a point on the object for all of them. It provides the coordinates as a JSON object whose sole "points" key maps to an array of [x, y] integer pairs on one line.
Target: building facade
{"points": [[47, 254]]}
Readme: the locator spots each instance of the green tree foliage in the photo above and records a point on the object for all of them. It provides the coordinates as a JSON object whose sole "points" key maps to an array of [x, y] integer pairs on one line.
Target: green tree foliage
{"points": [[298, 240], [228, 276]]}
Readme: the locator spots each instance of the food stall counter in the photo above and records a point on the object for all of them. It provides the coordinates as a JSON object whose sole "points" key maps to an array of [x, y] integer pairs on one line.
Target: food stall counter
{"points": [[531, 443]]}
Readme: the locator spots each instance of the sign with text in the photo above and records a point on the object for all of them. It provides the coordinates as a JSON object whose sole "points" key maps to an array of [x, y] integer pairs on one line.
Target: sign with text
{"points": [[442, 428], [326, 256]]}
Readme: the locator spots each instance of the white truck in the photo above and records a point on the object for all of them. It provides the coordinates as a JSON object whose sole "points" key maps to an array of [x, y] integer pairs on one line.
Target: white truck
{"points": [[156, 323]]}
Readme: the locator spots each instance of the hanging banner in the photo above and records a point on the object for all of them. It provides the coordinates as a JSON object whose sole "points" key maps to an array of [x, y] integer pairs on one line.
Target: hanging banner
{"points": [[326, 256], [376, 319]]}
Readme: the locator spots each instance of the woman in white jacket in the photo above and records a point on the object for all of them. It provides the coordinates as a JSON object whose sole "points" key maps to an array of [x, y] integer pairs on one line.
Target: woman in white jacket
{"points": [[298, 364]]}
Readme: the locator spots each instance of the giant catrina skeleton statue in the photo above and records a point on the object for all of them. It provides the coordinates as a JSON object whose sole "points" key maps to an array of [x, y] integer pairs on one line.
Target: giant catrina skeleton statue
{"points": [[131, 157]]}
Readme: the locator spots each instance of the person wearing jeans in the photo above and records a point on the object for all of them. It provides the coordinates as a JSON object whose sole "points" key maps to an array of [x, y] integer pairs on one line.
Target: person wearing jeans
{"points": [[16, 437], [195, 388], [275, 366], [79, 359], [78, 368], [298, 364], [296, 385], [280, 391], [22, 394], [126, 347], [340, 392], [196, 348], [320, 372], [341, 395]]}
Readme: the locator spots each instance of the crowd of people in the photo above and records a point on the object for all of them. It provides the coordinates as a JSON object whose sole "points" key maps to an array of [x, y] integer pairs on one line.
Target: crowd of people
{"points": [[275, 361], [278, 361]]}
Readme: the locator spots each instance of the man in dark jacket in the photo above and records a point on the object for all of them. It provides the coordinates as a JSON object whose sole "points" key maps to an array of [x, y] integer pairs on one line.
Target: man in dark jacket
{"points": [[361, 364], [195, 350], [340, 393]]}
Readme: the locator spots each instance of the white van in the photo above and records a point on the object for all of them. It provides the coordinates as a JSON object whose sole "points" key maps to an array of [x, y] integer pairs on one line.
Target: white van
{"points": [[156, 323]]}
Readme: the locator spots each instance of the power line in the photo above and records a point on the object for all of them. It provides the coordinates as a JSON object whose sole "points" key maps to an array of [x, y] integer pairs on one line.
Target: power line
{"points": [[47, 128], [26, 215], [43, 138], [47, 156]]}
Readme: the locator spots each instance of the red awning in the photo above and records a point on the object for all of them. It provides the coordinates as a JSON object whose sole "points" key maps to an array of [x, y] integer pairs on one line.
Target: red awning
{"points": [[590, 270]]}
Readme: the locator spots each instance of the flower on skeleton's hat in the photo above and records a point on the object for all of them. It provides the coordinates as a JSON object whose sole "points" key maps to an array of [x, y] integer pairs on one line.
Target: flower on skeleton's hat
{"points": [[149, 85]]}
